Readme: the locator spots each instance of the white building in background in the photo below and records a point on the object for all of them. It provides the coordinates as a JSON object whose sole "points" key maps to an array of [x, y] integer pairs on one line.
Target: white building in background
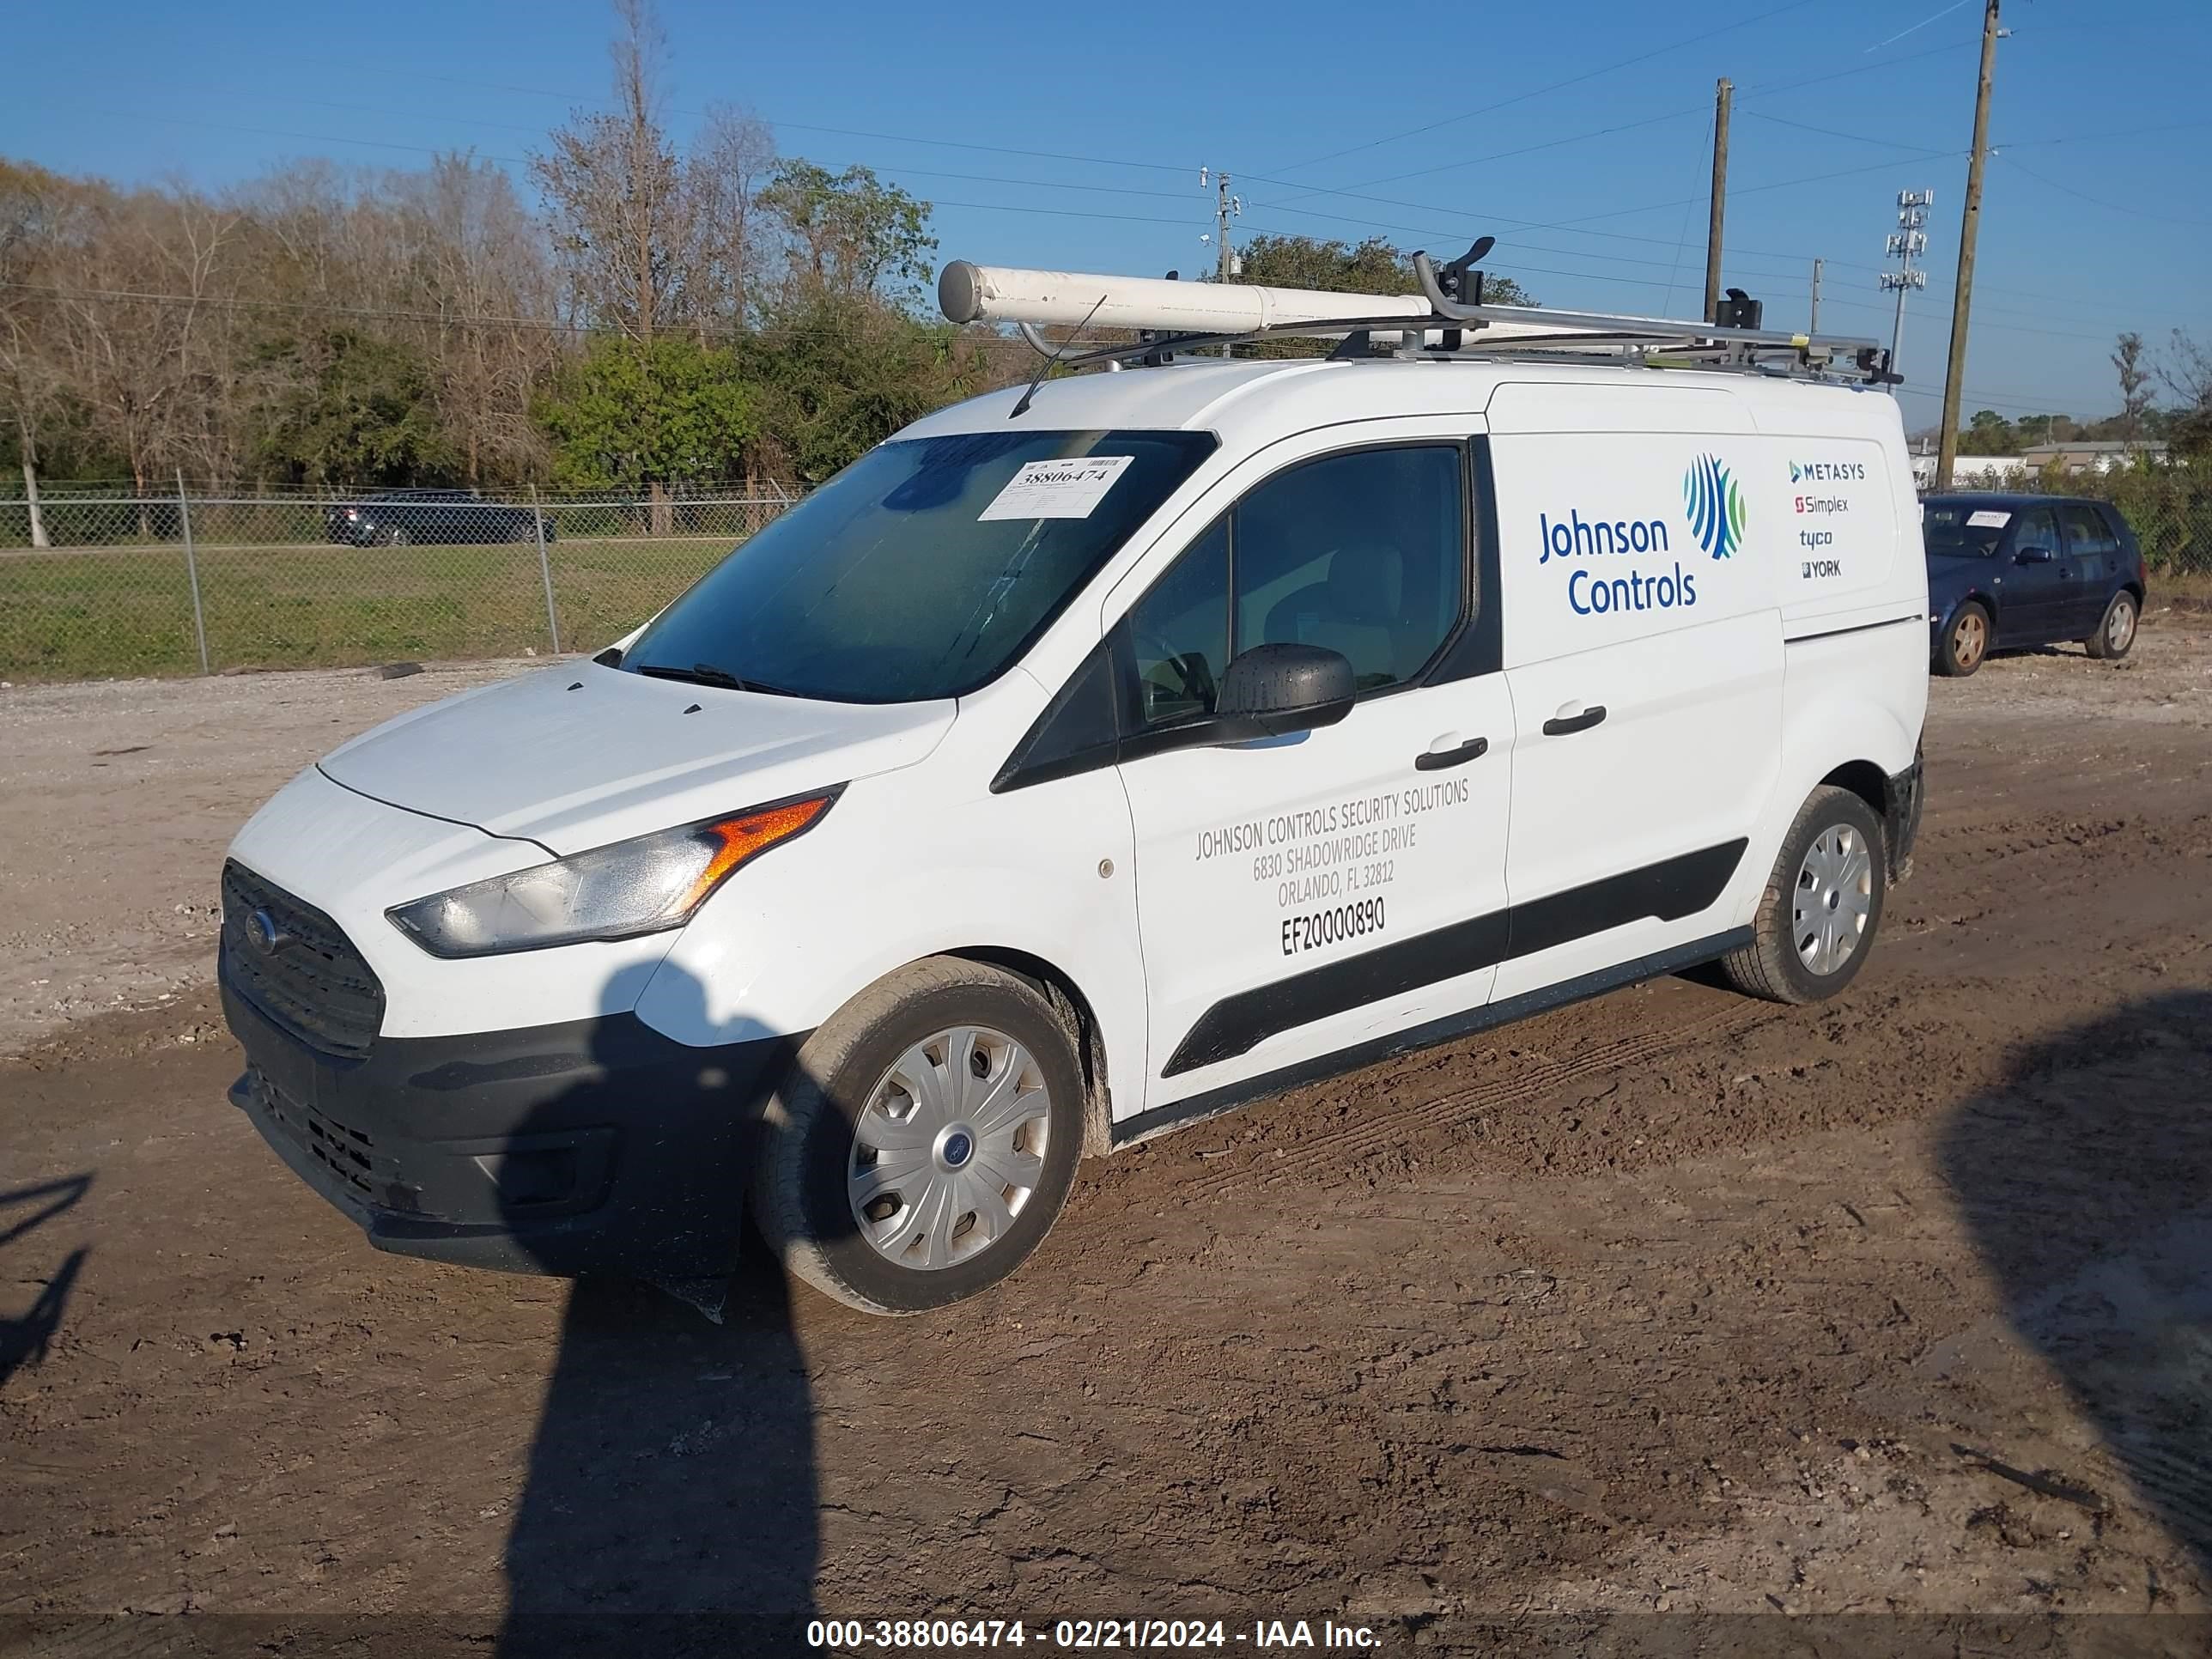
{"points": [[1968, 472], [2069, 459], [2083, 456]]}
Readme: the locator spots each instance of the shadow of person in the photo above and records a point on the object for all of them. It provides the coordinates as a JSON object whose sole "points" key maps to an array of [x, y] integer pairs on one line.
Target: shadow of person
{"points": [[670, 1502], [2086, 1179], [24, 1339]]}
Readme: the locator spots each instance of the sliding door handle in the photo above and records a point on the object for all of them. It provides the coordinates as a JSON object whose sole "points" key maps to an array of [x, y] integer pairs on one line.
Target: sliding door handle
{"points": [[1564, 723], [1435, 760]]}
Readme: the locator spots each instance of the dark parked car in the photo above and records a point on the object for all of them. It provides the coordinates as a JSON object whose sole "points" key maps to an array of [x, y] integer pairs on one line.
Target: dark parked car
{"points": [[2007, 570], [398, 517]]}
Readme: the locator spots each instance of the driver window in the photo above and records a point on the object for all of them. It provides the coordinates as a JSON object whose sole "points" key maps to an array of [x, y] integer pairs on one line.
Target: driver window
{"points": [[1362, 552], [1180, 631]]}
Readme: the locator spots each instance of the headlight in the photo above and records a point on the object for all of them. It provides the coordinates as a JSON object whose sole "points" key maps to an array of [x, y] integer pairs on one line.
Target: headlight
{"points": [[643, 886]]}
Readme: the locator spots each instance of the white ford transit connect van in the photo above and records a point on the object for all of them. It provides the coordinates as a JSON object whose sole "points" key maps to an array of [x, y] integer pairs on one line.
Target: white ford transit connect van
{"points": [[1076, 764]]}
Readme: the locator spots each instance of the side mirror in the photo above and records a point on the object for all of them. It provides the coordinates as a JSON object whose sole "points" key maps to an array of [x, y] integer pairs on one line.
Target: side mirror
{"points": [[1272, 691], [2035, 553]]}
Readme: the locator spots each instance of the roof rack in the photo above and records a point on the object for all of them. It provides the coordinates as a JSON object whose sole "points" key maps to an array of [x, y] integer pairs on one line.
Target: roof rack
{"points": [[1170, 317]]}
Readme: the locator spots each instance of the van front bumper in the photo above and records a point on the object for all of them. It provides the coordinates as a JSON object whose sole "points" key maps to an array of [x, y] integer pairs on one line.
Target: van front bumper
{"points": [[594, 1146]]}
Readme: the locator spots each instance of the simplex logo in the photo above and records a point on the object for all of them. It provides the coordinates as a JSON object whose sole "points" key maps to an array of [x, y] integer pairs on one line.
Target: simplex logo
{"points": [[1714, 501]]}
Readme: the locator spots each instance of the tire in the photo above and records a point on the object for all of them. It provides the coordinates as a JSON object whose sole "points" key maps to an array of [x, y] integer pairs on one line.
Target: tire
{"points": [[1965, 644], [815, 1155], [397, 537], [2116, 634], [1775, 965]]}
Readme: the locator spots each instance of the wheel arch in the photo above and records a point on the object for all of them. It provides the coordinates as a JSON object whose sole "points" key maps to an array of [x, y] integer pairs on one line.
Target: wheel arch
{"points": [[1864, 778], [1977, 595], [1059, 988]]}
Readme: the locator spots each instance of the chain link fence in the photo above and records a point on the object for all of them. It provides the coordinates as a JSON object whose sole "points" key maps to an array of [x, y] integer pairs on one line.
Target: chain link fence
{"points": [[95, 584]]}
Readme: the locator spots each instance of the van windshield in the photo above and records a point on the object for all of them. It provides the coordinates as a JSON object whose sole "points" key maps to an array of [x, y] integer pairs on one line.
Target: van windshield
{"points": [[1963, 531], [923, 570]]}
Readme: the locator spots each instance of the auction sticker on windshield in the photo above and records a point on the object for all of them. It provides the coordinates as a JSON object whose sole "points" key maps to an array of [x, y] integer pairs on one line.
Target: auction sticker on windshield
{"points": [[1988, 518], [1056, 489]]}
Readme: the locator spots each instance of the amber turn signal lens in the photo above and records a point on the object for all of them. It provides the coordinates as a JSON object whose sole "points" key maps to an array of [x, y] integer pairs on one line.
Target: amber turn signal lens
{"points": [[748, 834]]}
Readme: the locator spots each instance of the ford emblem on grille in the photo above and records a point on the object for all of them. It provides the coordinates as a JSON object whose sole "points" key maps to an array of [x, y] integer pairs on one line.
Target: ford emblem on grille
{"points": [[262, 928]]}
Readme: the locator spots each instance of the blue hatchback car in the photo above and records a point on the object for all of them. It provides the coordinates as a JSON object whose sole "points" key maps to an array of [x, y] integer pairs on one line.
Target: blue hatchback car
{"points": [[2010, 570]]}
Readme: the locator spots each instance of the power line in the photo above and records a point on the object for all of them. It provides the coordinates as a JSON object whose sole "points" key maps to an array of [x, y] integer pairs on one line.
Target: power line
{"points": [[1761, 87], [2098, 201], [1556, 86], [1855, 137], [1573, 226]]}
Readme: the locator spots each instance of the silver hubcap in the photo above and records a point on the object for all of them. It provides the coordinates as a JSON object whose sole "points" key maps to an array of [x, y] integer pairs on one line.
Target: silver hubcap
{"points": [[1834, 897], [2120, 627], [949, 1148]]}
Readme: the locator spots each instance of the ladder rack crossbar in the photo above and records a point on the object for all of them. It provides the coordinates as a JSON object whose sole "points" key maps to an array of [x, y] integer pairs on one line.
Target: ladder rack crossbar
{"points": [[1586, 343], [1167, 318]]}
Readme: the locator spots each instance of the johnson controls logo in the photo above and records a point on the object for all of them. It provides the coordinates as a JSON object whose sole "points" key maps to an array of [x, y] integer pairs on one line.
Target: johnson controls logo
{"points": [[1714, 501]]}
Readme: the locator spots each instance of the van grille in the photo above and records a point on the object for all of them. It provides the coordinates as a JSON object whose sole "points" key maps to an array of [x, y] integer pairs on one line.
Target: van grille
{"points": [[314, 983]]}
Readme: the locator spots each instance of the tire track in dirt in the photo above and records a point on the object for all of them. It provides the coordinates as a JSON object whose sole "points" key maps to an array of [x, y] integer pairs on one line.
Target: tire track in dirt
{"points": [[1341, 1146]]}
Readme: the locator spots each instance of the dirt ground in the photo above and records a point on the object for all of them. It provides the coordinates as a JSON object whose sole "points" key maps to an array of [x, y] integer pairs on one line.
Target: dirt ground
{"points": [[1671, 1322]]}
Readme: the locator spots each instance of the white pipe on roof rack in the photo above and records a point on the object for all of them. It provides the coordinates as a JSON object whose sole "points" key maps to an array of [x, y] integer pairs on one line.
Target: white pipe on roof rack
{"points": [[1068, 299], [1008, 294]]}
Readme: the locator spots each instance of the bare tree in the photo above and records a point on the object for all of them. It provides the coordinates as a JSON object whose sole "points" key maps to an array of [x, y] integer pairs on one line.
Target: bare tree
{"points": [[29, 206], [479, 268], [2185, 370], [614, 191], [137, 325], [729, 159]]}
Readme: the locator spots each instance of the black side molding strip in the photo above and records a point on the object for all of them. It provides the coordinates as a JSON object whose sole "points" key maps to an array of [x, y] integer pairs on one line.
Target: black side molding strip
{"points": [[1857, 628], [1669, 890], [1214, 1102]]}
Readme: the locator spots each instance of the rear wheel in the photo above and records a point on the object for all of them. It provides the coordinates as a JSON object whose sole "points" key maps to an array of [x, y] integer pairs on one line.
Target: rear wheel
{"points": [[2116, 633], [1965, 642], [396, 537], [924, 1140], [1822, 904]]}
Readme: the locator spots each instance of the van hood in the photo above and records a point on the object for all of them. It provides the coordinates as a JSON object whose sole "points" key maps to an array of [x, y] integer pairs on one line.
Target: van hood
{"points": [[579, 756]]}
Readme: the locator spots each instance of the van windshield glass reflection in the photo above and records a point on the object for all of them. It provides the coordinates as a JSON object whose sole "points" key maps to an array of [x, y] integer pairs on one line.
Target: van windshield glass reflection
{"points": [[922, 571]]}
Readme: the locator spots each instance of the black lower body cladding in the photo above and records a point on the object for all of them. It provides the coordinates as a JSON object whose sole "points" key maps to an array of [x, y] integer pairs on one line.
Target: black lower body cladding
{"points": [[597, 1144]]}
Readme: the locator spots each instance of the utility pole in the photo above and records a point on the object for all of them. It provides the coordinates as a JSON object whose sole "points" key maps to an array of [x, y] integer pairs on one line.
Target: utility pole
{"points": [[1723, 95], [1906, 243], [1813, 323], [1227, 265], [1956, 373]]}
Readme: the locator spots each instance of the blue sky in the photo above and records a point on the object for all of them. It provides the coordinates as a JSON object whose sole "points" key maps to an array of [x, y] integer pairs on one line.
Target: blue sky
{"points": [[1081, 147]]}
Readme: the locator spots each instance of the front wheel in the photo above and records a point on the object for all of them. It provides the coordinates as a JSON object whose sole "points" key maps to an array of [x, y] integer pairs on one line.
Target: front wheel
{"points": [[2116, 633], [1822, 904], [924, 1140]]}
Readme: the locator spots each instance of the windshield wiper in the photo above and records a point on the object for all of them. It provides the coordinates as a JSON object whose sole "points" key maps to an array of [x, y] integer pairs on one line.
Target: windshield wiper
{"points": [[705, 673]]}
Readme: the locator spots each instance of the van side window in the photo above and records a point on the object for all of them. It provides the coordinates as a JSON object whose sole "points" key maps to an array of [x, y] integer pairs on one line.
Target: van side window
{"points": [[1363, 553]]}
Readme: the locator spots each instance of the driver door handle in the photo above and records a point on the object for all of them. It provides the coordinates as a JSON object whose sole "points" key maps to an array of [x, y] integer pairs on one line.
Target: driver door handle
{"points": [[1564, 723], [1435, 760]]}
